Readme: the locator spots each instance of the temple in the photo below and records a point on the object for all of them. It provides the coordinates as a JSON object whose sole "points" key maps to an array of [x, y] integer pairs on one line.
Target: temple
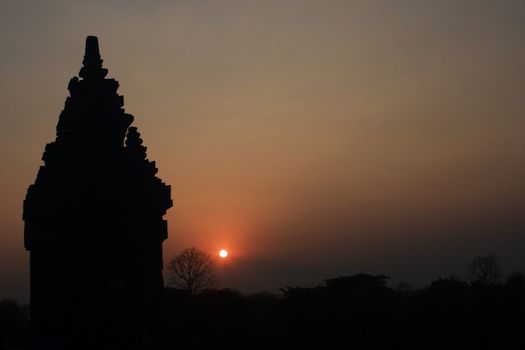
{"points": [[94, 224]]}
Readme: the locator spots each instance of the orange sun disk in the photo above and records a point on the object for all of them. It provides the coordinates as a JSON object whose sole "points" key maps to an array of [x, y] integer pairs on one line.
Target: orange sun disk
{"points": [[223, 253]]}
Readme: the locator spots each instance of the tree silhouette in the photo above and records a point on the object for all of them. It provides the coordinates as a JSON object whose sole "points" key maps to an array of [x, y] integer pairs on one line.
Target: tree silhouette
{"points": [[192, 270], [484, 269]]}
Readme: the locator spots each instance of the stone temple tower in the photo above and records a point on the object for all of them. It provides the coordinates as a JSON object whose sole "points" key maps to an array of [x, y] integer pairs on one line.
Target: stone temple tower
{"points": [[94, 224]]}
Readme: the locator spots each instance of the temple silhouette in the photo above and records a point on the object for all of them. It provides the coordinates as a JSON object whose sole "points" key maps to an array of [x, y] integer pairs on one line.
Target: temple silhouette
{"points": [[94, 224]]}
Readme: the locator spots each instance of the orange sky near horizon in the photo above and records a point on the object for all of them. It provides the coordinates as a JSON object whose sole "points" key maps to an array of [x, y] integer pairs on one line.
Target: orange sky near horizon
{"points": [[309, 138]]}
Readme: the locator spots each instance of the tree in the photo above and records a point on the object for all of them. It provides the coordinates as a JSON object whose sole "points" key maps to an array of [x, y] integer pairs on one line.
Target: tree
{"points": [[192, 270], [484, 269], [404, 288]]}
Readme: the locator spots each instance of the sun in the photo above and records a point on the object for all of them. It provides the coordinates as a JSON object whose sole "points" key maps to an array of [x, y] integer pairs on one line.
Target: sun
{"points": [[223, 253]]}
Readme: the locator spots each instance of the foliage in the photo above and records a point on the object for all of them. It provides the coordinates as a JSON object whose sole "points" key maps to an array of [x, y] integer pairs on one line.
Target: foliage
{"points": [[484, 270], [347, 312], [14, 324]]}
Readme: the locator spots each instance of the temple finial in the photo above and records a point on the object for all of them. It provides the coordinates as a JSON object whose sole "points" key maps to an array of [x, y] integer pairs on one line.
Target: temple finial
{"points": [[92, 63], [92, 49]]}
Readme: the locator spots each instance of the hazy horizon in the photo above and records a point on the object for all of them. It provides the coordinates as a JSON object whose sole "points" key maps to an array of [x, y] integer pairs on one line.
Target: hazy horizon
{"points": [[311, 139]]}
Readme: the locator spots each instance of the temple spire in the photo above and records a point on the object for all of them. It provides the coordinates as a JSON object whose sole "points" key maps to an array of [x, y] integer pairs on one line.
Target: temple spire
{"points": [[94, 225], [92, 62]]}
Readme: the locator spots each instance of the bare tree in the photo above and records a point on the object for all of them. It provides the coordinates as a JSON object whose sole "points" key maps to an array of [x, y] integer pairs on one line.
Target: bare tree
{"points": [[484, 269], [192, 270]]}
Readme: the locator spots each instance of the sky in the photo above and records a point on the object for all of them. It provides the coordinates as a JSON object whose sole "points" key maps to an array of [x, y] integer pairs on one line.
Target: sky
{"points": [[311, 139]]}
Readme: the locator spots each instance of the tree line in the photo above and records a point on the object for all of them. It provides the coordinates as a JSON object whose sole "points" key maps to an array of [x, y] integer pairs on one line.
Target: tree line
{"points": [[483, 311]]}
